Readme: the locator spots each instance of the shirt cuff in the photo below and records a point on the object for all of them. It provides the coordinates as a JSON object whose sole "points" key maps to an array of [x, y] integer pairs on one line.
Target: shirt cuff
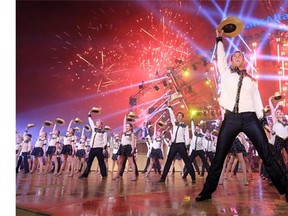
{"points": [[218, 39]]}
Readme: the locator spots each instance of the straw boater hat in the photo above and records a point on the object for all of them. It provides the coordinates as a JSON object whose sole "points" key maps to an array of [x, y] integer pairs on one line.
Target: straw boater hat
{"points": [[278, 96], [96, 109], [107, 127], [131, 116], [30, 125], [48, 123], [78, 120], [60, 121], [175, 96], [161, 123], [232, 26], [215, 132], [267, 109], [87, 127]]}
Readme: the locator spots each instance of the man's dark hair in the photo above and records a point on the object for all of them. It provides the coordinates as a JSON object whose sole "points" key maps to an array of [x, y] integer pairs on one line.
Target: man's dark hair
{"points": [[181, 114]]}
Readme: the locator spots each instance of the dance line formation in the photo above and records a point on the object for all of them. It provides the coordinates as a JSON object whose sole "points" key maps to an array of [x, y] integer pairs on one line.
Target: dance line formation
{"points": [[245, 124]]}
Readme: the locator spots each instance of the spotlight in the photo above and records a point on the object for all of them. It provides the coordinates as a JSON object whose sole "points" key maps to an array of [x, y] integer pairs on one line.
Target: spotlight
{"points": [[164, 83], [156, 87], [132, 101], [141, 86], [194, 66]]}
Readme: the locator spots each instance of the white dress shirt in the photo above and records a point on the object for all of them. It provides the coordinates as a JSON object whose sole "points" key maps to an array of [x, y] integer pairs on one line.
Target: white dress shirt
{"points": [[250, 100], [179, 128], [281, 129], [99, 137]]}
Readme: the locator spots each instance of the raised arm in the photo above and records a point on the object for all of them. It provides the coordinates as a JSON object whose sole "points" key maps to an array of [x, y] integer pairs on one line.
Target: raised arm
{"points": [[124, 123], [221, 58], [83, 129], [54, 127], [155, 131], [90, 120], [192, 127], [41, 130], [69, 125], [172, 116], [273, 110]]}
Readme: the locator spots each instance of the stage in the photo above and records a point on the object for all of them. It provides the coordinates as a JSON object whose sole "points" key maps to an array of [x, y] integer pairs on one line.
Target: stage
{"points": [[63, 195]]}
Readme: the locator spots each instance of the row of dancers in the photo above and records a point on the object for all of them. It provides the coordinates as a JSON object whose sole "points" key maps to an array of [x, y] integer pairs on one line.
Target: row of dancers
{"points": [[75, 152]]}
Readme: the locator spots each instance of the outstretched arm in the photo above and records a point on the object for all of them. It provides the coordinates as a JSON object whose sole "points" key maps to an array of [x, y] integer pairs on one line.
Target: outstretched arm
{"points": [[172, 116], [41, 130], [221, 58], [124, 123], [273, 110], [90, 120], [192, 127], [69, 125]]}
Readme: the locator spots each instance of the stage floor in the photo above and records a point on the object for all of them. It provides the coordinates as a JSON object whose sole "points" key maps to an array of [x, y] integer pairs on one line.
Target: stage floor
{"points": [[66, 196]]}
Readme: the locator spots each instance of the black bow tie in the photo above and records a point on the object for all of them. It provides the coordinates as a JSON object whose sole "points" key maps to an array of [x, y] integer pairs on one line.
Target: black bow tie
{"points": [[238, 71]]}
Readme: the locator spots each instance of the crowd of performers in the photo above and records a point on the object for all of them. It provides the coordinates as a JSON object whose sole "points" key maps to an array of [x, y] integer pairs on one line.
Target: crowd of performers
{"points": [[73, 156]]}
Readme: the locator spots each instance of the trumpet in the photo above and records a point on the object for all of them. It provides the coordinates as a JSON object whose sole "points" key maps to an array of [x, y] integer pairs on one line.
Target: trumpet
{"points": [[60, 121], [87, 128], [48, 123], [78, 121], [96, 110]]}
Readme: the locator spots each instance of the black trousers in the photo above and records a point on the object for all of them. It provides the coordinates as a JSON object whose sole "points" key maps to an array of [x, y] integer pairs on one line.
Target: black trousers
{"points": [[232, 125], [192, 157], [96, 152], [182, 150], [24, 158]]}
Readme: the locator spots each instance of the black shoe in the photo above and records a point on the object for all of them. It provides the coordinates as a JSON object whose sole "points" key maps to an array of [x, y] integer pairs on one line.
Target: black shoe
{"points": [[162, 180], [202, 197]]}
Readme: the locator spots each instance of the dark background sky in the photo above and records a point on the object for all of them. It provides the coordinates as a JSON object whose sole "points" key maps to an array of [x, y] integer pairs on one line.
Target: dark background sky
{"points": [[73, 55]]}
